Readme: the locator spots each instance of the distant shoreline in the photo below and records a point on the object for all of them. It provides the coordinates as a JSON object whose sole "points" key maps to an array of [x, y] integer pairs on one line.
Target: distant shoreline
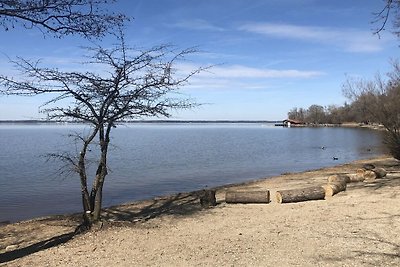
{"points": [[277, 123], [141, 121]]}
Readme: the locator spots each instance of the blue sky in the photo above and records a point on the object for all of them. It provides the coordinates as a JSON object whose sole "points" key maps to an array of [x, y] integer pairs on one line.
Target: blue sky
{"points": [[272, 55]]}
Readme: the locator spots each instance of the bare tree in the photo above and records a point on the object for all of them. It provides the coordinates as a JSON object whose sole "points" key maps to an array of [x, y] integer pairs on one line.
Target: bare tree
{"points": [[132, 84], [297, 114], [380, 101], [316, 114], [333, 114], [60, 17]]}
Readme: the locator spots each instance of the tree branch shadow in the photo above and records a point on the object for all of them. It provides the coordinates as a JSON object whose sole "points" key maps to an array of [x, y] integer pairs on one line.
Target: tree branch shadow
{"points": [[51, 242], [375, 249], [369, 257], [181, 204]]}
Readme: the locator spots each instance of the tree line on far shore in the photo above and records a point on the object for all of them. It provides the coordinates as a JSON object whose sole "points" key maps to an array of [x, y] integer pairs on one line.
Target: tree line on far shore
{"points": [[371, 101], [332, 114]]}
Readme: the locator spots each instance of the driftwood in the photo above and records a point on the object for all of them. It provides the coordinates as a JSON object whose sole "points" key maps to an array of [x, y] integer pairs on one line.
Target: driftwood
{"points": [[207, 198], [380, 172], [298, 195], [339, 178], [259, 196], [335, 187]]}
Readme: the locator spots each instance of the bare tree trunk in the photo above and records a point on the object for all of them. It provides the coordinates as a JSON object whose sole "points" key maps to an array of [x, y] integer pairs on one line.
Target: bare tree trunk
{"points": [[96, 196], [86, 203], [98, 199]]}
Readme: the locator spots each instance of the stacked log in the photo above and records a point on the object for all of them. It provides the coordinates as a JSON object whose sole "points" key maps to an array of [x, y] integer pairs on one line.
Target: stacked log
{"points": [[298, 195], [336, 183], [251, 196], [369, 173]]}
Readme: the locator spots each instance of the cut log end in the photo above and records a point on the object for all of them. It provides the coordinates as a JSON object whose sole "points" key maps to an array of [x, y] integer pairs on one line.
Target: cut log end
{"points": [[369, 175], [333, 188]]}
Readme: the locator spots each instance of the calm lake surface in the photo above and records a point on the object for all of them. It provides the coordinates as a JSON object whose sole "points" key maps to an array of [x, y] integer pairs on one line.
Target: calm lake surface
{"points": [[148, 160]]}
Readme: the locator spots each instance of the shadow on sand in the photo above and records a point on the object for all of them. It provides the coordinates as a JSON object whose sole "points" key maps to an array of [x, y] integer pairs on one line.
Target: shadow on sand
{"points": [[177, 205], [181, 204]]}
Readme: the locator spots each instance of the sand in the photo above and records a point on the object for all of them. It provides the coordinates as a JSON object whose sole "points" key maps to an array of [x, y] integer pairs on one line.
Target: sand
{"points": [[357, 227]]}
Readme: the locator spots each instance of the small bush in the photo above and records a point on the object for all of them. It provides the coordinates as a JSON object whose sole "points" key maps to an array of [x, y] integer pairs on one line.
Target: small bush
{"points": [[392, 140]]}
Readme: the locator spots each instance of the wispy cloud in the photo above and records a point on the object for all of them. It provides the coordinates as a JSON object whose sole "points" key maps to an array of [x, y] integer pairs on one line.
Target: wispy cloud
{"points": [[240, 71], [196, 24], [231, 77], [351, 40]]}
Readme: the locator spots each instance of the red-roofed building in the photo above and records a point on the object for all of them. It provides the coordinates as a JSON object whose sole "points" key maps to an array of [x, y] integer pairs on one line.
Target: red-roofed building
{"points": [[289, 122]]}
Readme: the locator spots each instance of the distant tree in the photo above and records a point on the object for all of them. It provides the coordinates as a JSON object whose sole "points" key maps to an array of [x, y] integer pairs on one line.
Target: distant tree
{"points": [[316, 114], [380, 100], [61, 17], [293, 114], [302, 114], [347, 113], [333, 115], [297, 114], [119, 84]]}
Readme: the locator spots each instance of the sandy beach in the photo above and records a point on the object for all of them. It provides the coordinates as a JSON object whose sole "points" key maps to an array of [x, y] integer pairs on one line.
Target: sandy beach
{"points": [[357, 227]]}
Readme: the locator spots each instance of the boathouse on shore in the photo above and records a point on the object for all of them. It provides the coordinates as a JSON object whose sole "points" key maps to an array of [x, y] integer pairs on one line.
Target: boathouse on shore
{"points": [[289, 123]]}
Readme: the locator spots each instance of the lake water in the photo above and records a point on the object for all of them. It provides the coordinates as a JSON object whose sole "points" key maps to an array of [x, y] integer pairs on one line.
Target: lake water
{"points": [[148, 160]]}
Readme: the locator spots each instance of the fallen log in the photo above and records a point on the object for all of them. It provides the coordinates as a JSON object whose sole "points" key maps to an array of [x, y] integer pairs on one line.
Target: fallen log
{"points": [[259, 196], [339, 178], [298, 195], [358, 176], [333, 188], [379, 172]]}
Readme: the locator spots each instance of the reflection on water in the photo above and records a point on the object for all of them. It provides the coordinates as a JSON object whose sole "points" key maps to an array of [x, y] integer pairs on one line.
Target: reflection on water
{"points": [[148, 160]]}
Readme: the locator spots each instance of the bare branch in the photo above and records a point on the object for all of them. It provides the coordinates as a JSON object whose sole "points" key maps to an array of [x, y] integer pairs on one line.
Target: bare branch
{"points": [[61, 17], [390, 12]]}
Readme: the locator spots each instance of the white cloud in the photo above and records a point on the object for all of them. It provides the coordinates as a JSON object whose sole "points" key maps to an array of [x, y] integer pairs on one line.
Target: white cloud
{"points": [[351, 40], [197, 24], [240, 71], [242, 77]]}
